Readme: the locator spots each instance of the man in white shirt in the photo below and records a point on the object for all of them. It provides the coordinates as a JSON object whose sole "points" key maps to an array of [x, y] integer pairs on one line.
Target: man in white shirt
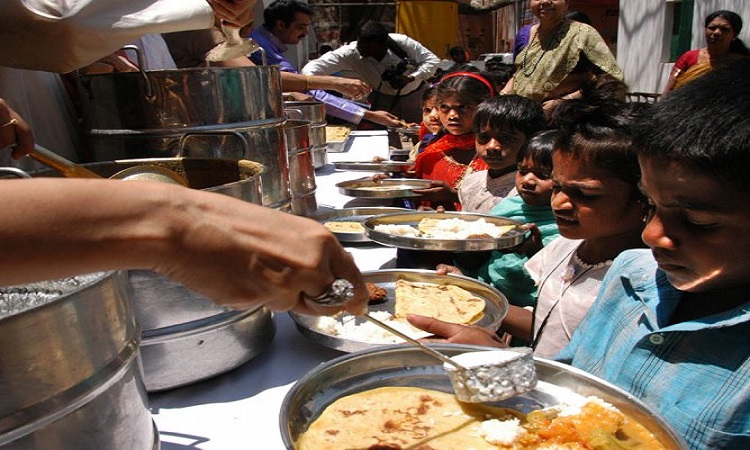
{"points": [[394, 65]]}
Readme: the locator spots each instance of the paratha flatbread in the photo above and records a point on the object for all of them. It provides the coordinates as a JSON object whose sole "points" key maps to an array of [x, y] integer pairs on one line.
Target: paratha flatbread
{"points": [[417, 418], [444, 302], [399, 417], [344, 227]]}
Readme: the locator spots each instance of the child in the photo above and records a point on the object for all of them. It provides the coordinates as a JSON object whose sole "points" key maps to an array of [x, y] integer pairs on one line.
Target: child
{"points": [[430, 125], [451, 155], [599, 212], [502, 126], [671, 325], [505, 269]]}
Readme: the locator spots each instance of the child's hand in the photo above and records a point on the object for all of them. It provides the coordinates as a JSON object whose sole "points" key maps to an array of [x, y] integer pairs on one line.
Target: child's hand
{"points": [[455, 333], [531, 245], [444, 269], [439, 191], [380, 176]]}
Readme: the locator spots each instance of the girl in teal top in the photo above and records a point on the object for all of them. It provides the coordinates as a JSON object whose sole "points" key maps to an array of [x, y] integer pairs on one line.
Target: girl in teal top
{"points": [[505, 269]]}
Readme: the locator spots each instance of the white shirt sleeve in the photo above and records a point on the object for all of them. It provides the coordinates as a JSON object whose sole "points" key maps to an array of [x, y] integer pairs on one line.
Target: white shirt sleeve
{"points": [[426, 60], [63, 35], [331, 62]]}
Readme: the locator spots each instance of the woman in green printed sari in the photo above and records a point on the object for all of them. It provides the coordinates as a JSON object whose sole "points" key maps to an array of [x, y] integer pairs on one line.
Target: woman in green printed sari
{"points": [[562, 55]]}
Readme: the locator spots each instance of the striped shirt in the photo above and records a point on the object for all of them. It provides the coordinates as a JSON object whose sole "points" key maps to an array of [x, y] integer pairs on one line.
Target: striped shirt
{"points": [[694, 374]]}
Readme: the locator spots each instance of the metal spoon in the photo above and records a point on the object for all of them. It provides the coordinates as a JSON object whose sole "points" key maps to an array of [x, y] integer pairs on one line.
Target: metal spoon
{"points": [[442, 357], [70, 169], [62, 165]]}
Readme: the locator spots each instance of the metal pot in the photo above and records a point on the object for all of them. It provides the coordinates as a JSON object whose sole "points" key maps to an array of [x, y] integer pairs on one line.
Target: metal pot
{"points": [[230, 112], [185, 336], [70, 375], [315, 112], [301, 168]]}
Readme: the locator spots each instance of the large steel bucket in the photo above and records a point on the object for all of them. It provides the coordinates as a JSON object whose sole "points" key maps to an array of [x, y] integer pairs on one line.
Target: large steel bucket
{"points": [[202, 112], [69, 367], [301, 168], [185, 336], [315, 112]]}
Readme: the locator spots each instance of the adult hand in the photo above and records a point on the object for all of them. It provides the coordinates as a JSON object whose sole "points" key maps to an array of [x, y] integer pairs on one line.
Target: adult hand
{"points": [[14, 130], [115, 62], [240, 255], [351, 87], [382, 118], [235, 12], [400, 81], [455, 333]]}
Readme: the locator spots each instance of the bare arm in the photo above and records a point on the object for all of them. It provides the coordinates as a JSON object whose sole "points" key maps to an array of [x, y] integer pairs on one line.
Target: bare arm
{"points": [[236, 253], [518, 322]]}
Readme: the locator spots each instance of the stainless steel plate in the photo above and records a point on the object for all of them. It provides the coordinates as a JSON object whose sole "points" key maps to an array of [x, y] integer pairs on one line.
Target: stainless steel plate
{"points": [[404, 365], [507, 240], [370, 166], [353, 215], [387, 188], [496, 305]]}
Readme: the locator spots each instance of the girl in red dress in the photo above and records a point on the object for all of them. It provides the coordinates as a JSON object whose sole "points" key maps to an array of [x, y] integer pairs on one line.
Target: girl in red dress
{"points": [[449, 157]]}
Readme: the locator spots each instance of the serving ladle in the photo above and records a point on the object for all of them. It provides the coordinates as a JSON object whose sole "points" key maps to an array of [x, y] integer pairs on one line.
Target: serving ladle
{"points": [[69, 169], [477, 377]]}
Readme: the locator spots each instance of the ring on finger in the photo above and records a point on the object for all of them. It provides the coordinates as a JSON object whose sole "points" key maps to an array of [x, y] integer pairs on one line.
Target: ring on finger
{"points": [[337, 294]]}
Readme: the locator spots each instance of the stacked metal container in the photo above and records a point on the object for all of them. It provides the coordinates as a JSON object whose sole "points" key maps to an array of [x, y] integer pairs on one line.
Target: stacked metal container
{"points": [[231, 113], [314, 112]]}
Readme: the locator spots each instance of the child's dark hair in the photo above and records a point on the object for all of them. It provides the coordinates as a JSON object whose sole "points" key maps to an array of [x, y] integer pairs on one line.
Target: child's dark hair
{"points": [[539, 148], [705, 125], [429, 93], [510, 111], [600, 133], [471, 88]]}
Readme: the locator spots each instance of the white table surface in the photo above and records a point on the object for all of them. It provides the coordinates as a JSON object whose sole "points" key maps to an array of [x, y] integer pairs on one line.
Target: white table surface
{"points": [[240, 409]]}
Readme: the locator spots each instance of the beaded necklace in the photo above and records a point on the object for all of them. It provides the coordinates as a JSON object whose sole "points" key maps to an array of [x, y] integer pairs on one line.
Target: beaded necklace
{"points": [[575, 270], [541, 45]]}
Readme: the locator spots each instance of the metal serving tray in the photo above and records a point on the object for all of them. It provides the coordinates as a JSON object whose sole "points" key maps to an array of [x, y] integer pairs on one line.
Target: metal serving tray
{"points": [[386, 188], [354, 215], [496, 305], [371, 166], [404, 365], [507, 240]]}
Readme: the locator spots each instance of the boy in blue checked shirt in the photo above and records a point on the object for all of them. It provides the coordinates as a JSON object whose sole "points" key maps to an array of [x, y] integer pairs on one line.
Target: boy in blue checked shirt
{"points": [[671, 324]]}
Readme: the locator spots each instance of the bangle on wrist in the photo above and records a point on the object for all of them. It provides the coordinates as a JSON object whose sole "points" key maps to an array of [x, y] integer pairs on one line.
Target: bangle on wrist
{"points": [[307, 82]]}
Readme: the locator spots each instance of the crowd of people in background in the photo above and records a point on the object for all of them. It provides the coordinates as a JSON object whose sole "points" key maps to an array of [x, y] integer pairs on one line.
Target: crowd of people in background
{"points": [[598, 181]]}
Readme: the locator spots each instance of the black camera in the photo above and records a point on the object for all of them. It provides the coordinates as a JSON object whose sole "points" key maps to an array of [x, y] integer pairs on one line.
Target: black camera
{"points": [[396, 76]]}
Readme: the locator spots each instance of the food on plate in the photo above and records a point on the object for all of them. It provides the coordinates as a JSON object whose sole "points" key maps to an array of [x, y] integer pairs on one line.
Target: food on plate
{"points": [[397, 230], [453, 228], [440, 301], [337, 133], [347, 326], [377, 293], [456, 228], [412, 417], [341, 226]]}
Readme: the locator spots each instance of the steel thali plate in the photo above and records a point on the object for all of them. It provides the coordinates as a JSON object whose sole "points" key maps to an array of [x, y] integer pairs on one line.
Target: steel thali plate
{"points": [[509, 239], [496, 305], [386, 188], [353, 215], [404, 365], [373, 166]]}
